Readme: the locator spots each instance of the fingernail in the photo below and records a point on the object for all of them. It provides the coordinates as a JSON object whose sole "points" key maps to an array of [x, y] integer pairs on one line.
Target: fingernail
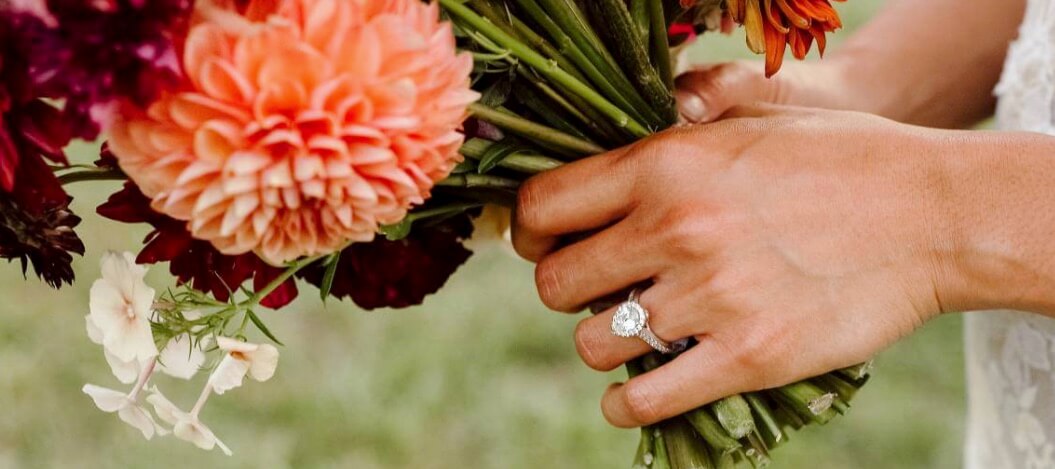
{"points": [[690, 106]]}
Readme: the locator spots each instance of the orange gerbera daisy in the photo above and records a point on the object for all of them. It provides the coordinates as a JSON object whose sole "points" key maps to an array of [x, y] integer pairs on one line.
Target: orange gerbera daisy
{"points": [[302, 124], [773, 24]]}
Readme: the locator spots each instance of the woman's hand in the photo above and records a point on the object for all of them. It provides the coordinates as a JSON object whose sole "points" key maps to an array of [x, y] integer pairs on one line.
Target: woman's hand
{"points": [[788, 242], [706, 92]]}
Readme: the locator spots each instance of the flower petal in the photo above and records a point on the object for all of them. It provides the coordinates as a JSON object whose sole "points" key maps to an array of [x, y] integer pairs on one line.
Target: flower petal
{"points": [[180, 358], [228, 374], [106, 399]]}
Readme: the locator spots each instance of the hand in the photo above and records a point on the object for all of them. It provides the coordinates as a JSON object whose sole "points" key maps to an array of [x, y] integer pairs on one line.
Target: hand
{"points": [[706, 92], [788, 242]]}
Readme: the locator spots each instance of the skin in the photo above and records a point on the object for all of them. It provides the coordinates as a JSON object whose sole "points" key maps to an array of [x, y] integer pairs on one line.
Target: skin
{"points": [[792, 241]]}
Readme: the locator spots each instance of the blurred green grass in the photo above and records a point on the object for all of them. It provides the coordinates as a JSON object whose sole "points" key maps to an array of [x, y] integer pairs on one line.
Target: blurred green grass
{"points": [[480, 376]]}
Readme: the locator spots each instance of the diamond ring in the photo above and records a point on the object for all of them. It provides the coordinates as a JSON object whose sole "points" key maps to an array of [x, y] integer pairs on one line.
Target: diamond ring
{"points": [[631, 320]]}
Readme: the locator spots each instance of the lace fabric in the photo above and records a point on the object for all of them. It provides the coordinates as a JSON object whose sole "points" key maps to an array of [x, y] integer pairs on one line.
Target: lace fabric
{"points": [[1011, 355]]}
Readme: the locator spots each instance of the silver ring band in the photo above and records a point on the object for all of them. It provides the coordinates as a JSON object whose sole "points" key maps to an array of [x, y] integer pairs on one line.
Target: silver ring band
{"points": [[631, 320]]}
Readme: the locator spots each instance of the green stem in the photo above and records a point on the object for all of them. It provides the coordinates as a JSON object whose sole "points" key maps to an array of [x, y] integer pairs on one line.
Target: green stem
{"points": [[685, 450], [735, 416], [101, 174], [660, 43], [534, 131], [634, 56], [768, 426], [639, 10], [711, 431], [529, 163], [544, 66], [291, 270], [479, 181], [591, 64], [516, 28]]}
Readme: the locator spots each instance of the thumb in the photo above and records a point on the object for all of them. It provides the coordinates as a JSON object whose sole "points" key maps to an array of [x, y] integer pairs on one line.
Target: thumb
{"points": [[704, 94]]}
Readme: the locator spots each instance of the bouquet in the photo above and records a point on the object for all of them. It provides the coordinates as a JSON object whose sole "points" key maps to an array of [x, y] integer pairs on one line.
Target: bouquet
{"points": [[349, 144]]}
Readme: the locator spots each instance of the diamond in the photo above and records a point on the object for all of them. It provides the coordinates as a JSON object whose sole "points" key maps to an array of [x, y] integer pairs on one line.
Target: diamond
{"points": [[629, 319]]}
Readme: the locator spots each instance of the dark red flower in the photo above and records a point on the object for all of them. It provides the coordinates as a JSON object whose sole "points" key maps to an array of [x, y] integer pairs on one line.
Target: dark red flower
{"points": [[102, 50], [398, 274], [193, 262], [36, 224]]}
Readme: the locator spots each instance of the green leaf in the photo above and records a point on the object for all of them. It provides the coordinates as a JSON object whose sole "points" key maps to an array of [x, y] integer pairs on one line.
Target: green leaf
{"points": [[329, 275], [467, 166], [498, 93], [398, 231], [498, 152], [260, 325]]}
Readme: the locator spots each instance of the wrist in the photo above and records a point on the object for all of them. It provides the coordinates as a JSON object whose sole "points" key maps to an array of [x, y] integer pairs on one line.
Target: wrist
{"points": [[995, 207]]}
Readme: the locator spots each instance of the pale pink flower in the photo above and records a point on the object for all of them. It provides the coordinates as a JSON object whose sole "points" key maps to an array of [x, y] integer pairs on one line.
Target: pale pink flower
{"points": [[120, 305], [185, 426], [297, 134], [259, 361]]}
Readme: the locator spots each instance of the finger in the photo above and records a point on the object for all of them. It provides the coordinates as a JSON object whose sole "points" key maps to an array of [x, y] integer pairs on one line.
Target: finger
{"points": [[704, 94], [606, 262], [602, 350], [705, 373], [580, 196]]}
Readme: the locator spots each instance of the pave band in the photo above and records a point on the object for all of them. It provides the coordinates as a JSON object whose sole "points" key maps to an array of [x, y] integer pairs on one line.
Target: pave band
{"points": [[631, 320]]}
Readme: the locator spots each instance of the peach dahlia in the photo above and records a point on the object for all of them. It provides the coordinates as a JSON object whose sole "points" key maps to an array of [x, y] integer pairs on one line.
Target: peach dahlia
{"points": [[301, 125]]}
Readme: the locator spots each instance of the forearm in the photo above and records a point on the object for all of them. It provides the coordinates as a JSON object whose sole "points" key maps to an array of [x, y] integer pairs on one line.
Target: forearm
{"points": [[996, 213], [927, 62]]}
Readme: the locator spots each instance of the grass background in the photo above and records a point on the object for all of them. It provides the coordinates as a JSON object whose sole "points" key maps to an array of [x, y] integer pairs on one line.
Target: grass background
{"points": [[480, 376]]}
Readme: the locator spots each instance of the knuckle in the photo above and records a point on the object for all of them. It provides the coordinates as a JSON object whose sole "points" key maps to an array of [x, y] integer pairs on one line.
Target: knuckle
{"points": [[756, 354], [689, 233], [549, 281], [586, 343], [640, 402], [529, 196]]}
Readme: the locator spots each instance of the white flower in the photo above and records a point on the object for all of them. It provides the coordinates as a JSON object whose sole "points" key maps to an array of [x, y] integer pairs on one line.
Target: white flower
{"points": [[126, 407], [185, 426], [120, 307], [257, 360], [181, 358], [125, 372]]}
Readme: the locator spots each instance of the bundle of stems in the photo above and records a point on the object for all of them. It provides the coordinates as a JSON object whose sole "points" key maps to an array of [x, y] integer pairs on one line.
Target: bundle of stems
{"points": [[565, 79]]}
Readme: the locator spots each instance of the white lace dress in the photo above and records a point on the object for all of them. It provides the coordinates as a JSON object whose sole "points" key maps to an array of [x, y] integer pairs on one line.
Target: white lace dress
{"points": [[1011, 355]]}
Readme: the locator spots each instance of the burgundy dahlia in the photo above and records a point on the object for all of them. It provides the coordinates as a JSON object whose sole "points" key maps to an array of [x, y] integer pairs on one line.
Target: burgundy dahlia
{"points": [[398, 274], [194, 262]]}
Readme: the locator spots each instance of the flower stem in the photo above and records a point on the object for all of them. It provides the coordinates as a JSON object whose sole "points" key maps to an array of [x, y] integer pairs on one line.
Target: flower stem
{"points": [[683, 448], [767, 424], [534, 131], [734, 414], [290, 271], [529, 163], [479, 181], [634, 56], [711, 431], [544, 66], [600, 72], [660, 43], [100, 174], [144, 376], [202, 398]]}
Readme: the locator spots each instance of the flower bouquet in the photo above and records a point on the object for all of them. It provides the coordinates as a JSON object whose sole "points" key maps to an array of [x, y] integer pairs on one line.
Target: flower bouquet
{"points": [[347, 144]]}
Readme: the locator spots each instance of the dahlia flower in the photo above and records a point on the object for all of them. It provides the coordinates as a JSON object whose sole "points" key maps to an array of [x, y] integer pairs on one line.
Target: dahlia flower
{"points": [[772, 25], [306, 130], [400, 273]]}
